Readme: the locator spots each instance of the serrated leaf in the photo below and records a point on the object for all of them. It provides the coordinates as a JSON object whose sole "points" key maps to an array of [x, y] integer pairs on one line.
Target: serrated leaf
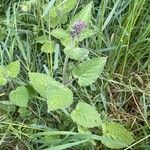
{"points": [[76, 53], [19, 97], [42, 39], [88, 71], [3, 80], [40, 82], [116, 136], [48, 47], [86, 115], [14, 69], [54, 21], [3, 75], [66, 6], [59, 12], [84, 15], [112, 142], [3, 70], [85, 34], [62, 35], [58, 97]]}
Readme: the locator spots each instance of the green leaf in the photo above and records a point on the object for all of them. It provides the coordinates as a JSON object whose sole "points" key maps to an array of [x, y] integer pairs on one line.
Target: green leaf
{"points": [[85, 34], [3, 75], [19, 97], [3, 80], [84, 15], [76, 53], [40, 82], [14, 69], [62, 35], [88, 71], [66, 6], [59, 12], [48, 47], [58, 97], [53, 22], [86, 115], [42, 39], [48, 7], [116, 136], [24, 112], [3, 71]]}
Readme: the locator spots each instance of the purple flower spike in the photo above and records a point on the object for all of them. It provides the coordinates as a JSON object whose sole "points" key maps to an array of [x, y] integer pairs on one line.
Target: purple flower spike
{"points": [[77, 28]]}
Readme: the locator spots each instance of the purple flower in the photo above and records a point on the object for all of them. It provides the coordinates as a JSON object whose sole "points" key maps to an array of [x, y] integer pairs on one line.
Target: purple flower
{"points": [[77, 28]]}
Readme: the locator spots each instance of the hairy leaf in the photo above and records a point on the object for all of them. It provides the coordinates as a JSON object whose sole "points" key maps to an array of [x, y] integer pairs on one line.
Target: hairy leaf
{"points": [[3, 75], [88, 71], [62, 35], [83, 15], [58, 97], [42, 39], [59, 12], [115, 135], [14, 69], [19, 96], [40, 82], [48, 47], [3, 80], [86, 115], [76, 53], [85, 34]]}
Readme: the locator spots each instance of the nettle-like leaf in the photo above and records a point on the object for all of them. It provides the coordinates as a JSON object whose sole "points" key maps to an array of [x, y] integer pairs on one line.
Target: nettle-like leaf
{"points": [[84, 15], [67, 5], [59, 12], [85, 34], [116, 136], [40, 82], [3, 75], [62, 35], [14, 69], [20, 96], [48, 47], [88, 71], [86, 115], [76, 53], [62, 8], [58, 97], [42, 39], [3, 80]]}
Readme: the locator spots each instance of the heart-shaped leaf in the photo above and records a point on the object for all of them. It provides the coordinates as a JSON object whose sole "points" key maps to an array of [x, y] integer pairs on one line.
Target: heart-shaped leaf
{"points": [[76, 53], [86, 115], [58, 97], [14, 69], [88, 71], [19, 97], [115, 135]]}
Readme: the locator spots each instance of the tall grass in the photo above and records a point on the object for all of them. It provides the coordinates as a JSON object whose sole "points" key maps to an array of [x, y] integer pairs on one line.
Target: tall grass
{"points": [[122, 93]]}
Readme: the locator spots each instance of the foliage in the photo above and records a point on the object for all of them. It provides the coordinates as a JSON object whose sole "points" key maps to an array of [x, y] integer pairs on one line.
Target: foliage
{"points": [[88, 71], [116, 136], [19, 96], [74, 74], [86, 115]]}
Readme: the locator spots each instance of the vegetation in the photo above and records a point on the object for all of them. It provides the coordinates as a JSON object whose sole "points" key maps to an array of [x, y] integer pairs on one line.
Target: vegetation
{"points": [[74, 74]]}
